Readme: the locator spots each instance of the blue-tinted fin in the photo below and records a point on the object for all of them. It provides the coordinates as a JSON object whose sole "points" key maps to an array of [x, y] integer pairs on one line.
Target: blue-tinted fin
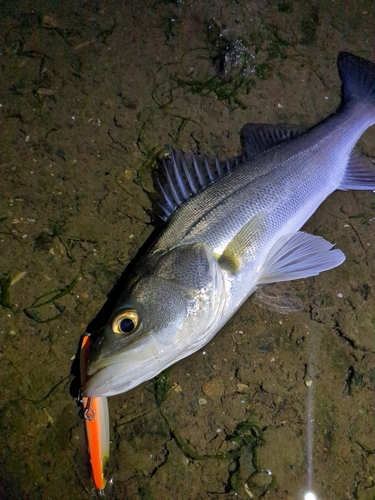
{"points": [[299, 256], [180, 184], [360, 173], [219, 171], [170, 183], [256, 138], [197, 170], [187, 174], [358, 78]]}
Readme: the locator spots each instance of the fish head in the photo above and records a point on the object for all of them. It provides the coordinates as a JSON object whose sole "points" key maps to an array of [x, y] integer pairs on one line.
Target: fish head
{"points": [[169, 309]]}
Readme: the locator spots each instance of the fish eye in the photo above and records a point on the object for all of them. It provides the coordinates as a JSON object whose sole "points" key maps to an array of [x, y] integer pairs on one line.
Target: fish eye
{"points": [[125, 322]]}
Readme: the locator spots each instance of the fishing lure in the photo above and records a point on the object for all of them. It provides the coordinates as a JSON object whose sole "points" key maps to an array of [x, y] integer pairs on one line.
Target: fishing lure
{"points": [[95, 412]]}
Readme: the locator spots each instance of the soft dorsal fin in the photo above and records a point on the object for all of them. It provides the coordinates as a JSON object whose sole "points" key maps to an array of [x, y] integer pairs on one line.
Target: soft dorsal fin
{"points": [[189, 173], [256, 138]]}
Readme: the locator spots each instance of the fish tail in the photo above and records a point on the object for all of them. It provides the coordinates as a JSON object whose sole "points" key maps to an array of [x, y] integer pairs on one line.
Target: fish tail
{"points": [[358, 78], [358, 87]]}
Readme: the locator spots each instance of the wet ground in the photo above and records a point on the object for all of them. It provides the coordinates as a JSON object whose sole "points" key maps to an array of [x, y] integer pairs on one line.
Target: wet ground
{"points": [[91, 93]]}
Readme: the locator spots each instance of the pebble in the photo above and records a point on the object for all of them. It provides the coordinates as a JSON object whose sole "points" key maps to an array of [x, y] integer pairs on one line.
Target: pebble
{"points": [[242, 387], [214, 388]]}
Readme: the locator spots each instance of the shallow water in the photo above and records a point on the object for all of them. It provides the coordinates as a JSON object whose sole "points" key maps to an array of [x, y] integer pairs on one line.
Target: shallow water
{"points": [[91, 93]]}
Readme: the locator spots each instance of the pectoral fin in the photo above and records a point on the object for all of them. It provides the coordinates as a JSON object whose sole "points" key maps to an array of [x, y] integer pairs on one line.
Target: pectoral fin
{"points": [[243, 244], [299, 256]]}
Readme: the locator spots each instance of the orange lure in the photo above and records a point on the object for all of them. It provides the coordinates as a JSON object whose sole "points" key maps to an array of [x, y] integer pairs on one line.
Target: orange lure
{"points": [[95, 411]]}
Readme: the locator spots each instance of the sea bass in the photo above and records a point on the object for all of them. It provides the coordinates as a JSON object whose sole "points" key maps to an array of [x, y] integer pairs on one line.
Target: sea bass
{"points": [[232, 227]]}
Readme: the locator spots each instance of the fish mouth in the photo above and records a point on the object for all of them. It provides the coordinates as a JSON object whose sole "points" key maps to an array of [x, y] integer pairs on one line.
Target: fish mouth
{"points": [[100, 381], [108, 377], [96, 366], [95, 372], [122, 372]]}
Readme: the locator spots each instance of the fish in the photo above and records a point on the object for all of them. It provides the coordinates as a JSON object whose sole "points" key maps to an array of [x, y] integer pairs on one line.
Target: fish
{"points": [[231, 227]]}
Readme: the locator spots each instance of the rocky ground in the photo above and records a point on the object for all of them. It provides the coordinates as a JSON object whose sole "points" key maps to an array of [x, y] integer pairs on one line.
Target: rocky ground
{"points": [[91, 94]]}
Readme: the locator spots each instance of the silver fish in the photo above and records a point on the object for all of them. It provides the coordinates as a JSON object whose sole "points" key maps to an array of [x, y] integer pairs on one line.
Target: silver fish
{"points": [[232, 227]]}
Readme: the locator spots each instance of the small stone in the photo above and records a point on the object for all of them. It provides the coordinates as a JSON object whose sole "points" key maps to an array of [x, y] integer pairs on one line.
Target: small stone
{"points": [[214, 388], [261, 480], [242, 387], [308, 383], [202, 401], [49, 21], [277, 399]]}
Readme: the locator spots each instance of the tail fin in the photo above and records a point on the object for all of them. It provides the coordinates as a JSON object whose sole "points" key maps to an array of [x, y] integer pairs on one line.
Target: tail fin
{"points": [[358, 78], [358, 84]]}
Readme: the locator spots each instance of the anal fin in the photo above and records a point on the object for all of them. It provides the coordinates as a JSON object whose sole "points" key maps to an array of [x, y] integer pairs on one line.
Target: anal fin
{"points": [[360, 173]]}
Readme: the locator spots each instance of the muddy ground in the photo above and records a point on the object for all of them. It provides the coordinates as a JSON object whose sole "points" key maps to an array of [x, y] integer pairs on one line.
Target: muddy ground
{"points": [[91, 94]]}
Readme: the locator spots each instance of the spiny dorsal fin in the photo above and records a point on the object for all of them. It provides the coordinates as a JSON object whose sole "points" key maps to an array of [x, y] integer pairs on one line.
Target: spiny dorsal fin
{"points": [[256, 138], [186, 174]]}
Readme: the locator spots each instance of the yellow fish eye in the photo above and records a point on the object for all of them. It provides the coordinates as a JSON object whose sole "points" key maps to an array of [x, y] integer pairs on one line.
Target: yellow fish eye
{"points": [[125, 322]]}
